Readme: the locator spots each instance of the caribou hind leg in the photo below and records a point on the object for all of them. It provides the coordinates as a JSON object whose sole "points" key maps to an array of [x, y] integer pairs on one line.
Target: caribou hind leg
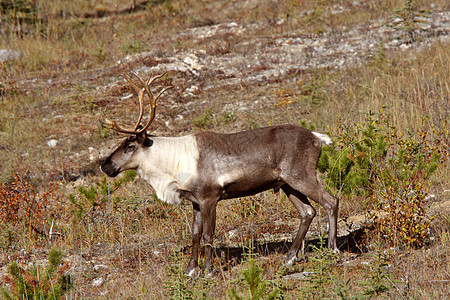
{"points": [[331, 205], [307, 213], [312, 189]]}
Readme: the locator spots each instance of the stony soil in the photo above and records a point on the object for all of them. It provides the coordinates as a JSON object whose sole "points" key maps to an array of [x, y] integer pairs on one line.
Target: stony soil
{"points": [[222, 56]]}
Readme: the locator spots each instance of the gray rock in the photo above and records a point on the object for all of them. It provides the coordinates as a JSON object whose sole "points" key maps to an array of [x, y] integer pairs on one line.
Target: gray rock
{"points": [[299, 276], [6, 55], [98, 282], [52, 143], [100, 267]]}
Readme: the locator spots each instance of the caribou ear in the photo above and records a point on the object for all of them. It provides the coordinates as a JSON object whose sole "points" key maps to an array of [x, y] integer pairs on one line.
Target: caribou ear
{"points": [[142, 137]]}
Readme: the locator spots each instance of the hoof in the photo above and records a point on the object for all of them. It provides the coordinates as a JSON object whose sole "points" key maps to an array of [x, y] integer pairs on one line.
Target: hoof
{"points": [[191, 273], [290, 261], [209, 274]]}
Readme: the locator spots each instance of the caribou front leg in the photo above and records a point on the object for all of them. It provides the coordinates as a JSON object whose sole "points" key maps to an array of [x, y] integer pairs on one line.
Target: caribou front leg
{"points": [[197, 229], [209, 226]]}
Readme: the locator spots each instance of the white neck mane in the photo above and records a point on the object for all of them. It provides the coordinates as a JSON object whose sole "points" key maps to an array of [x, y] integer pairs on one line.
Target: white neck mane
{"points": [[168, 164]]}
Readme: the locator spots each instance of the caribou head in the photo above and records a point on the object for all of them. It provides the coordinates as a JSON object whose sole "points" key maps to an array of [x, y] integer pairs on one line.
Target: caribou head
{"points": [[126, 156]]}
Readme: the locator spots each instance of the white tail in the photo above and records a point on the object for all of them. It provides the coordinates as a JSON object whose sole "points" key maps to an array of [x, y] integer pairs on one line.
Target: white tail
{"points": [[324, 138]]}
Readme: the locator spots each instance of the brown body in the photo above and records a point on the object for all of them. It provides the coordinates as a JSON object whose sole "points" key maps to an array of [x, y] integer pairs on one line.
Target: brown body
{"points": [[207, 167]]}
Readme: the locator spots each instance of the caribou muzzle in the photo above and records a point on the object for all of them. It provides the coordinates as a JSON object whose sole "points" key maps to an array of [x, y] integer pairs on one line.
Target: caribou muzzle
{"points": [[108, 168]]}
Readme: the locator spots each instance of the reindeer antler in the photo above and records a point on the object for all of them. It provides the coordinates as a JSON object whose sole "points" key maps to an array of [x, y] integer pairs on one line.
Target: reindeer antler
{"points": [[140, 91]]}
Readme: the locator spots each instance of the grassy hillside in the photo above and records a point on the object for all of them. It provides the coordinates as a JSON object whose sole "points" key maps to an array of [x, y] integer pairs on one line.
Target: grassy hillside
{"points": [[374, 75]]}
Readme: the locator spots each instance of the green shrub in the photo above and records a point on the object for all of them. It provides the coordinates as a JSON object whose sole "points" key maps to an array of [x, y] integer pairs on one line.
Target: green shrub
{"points": [[210, 118], [132, 47], [410, 20], [256, 286], [319, 274], [389, 169], [206, 120], [179, 285], [350, 162], [96, 196], [38, 282], [312, 90], [379, 280]]}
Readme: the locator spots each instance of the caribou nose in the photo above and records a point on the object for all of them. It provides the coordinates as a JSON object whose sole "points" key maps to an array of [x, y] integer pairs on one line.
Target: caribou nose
{"points": [[108, 169], [103, 168]]}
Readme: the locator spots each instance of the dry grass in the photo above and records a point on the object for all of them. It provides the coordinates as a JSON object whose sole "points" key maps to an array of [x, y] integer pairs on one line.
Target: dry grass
{"points": [[133, 234]]}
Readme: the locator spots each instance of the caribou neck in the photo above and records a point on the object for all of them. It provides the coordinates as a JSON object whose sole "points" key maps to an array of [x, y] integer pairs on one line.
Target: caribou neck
{"points": [[168, 165]]}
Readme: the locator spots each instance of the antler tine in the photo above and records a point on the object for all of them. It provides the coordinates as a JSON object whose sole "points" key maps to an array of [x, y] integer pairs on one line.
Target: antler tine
{"points": [[153, 99], [140, 92], [130, 81], [147, 84], [115, 126], [150, 81], [153, 107], [119, 128]]}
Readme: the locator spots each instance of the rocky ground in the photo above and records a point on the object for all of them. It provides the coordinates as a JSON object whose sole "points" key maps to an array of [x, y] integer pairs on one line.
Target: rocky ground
{"points": [[234, 55], [210, 58]]}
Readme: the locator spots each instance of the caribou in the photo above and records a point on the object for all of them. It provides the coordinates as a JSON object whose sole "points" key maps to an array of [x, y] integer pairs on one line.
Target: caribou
{"points": [[207, 167]]}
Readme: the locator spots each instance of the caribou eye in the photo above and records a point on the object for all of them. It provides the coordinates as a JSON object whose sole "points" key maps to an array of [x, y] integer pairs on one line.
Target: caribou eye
{"points": [[130, 148]]}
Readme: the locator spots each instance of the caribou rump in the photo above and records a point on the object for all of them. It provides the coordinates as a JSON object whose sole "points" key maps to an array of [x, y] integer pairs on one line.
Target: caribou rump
{"points": [[207, 167]]}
